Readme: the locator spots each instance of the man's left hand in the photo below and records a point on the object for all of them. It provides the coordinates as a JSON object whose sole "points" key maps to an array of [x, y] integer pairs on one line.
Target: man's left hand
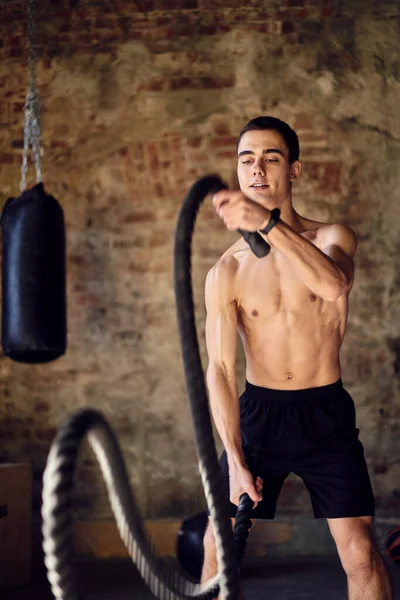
{"points": [[238, 212]]}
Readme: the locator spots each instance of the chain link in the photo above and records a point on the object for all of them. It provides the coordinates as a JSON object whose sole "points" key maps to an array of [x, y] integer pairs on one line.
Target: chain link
{"points": [[32, 129]]}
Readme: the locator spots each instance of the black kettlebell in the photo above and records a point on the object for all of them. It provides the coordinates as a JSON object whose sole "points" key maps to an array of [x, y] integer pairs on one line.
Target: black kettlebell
{"points": [[190, 549]]}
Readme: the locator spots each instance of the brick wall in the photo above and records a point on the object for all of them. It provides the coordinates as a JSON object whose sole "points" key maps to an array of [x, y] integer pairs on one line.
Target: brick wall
{"points": [[138, 100]]}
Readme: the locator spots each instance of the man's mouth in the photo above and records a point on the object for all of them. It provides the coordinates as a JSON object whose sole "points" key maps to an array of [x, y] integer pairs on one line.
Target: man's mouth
{"points": [[259, 186]]}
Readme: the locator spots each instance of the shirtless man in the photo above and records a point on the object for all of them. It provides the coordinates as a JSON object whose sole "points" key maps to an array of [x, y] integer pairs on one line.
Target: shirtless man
{"points": [[290, 309]]}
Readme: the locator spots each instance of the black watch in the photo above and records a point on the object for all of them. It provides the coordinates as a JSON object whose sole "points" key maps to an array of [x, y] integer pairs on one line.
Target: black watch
{"points": [[274, 218]]}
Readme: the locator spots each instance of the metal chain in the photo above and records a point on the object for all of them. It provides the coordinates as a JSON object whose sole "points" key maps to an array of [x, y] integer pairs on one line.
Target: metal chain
{"points": [[32, 129]]}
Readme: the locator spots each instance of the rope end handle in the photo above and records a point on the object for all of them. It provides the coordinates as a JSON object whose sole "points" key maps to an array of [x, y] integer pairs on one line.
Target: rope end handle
{"points": [[242, 524], [245, 505], [258, 245]]}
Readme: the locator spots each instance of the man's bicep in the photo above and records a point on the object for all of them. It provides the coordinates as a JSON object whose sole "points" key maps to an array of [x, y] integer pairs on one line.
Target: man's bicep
{"points": [[221, 339], [341, 248], [221, 320], [343, 260]]}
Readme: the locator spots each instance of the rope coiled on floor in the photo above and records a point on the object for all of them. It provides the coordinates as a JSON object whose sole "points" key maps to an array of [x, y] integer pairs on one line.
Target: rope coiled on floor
{"points": [[165, 582]]}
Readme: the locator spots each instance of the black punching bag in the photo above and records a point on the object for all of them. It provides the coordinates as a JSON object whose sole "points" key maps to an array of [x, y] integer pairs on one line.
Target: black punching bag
{"points": [[33, 278]]}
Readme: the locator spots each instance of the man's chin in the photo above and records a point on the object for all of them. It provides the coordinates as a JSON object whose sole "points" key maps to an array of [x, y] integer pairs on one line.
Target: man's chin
{"points": [[265, 198]]}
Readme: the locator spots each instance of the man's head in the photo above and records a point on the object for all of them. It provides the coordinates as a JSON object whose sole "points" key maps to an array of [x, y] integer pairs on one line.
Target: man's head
{"points": [[268, 153]]}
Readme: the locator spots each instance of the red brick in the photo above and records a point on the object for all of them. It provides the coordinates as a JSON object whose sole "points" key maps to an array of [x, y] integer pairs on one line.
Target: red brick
{"points": [[105, 23], [159, 189], [12, 421], [170, 5], [46, 63], [327, 12], [331, 177], [83, 14], [288, 27], [261, 27], [6, 159], [15, 41], [87, 300], [156, 241], [228, 154], [58, 144], [207, 30], [64, 27], [221, 128], [41, 406], [158, 33], [197, 157], [138, 268], [153, 158], [176, 145], [224, 27], [223, 142], [194, 142], [84, 40], [46, 434], [159, 20], [61, 14], [302, 13], [18, 106], [110, 38], [163, 84]]}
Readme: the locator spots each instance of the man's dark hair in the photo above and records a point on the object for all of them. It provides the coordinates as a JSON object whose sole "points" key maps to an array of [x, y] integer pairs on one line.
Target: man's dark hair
{"points": [[264, 123]]}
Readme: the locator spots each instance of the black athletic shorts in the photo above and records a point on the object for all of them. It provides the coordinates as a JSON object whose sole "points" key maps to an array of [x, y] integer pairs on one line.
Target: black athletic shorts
{"points": [[313, 434]]}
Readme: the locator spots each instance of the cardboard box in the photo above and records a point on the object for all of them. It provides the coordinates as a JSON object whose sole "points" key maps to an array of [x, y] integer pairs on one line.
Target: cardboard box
{"points": [[15, 524]]}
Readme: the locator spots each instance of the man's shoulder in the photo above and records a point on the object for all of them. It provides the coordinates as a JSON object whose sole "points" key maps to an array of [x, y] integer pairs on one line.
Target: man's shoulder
{"points": [[341, 235], [224, 269], [331, 233], [222, 274], [323, 227], [230, 260]]}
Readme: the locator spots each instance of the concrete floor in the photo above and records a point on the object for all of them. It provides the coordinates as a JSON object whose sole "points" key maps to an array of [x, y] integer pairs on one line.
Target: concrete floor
{"points": [[270, 579]]}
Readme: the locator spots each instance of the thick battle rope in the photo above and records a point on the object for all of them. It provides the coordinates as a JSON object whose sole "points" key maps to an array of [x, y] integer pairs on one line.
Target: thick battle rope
{"points": [[164, 582], [205, 445]]}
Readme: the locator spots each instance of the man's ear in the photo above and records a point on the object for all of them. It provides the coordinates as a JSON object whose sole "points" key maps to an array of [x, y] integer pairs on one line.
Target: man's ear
{"points": [[295, 170]]}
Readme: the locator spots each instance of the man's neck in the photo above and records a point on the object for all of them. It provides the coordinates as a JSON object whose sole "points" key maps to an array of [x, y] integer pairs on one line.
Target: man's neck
{"points": [[289, 215]]}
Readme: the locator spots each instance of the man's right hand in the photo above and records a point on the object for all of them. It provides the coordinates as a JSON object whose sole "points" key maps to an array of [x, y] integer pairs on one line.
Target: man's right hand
{"points": [[241, 482]]}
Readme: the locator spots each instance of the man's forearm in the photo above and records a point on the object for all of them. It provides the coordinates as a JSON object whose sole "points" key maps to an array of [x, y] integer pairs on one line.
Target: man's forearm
{"points": [[224, 402], [317, 271]]}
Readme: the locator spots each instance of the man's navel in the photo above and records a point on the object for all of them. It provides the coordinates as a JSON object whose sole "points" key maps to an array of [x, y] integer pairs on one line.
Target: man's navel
{"points": [[290, 375]]}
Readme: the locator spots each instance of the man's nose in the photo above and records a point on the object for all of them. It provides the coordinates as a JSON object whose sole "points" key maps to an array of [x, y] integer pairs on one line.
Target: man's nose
{"points": [[258, 168]]}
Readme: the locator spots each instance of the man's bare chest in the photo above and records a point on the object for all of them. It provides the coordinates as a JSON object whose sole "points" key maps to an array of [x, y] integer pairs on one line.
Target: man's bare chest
{"points": [[273, 287]]}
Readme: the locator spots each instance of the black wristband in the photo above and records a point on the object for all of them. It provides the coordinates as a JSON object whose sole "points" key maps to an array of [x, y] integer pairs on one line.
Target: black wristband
{"points": [[274, 218]]}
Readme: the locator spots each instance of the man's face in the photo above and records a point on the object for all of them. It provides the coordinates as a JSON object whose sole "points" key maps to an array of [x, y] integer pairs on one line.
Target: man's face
{"points": [[263, 159]]}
